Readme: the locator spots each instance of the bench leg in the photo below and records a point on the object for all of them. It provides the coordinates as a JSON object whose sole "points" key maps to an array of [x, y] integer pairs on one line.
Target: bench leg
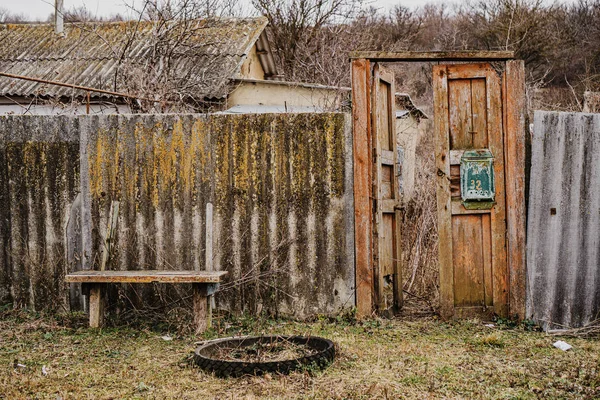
{"points": [[202, 312], [96, 305]]}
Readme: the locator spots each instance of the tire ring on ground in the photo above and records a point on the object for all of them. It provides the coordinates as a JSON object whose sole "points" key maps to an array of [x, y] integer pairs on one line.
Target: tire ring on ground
{"points": [[203, 356]]}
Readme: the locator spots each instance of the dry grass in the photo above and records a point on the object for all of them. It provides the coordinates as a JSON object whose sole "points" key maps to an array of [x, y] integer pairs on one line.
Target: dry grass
{"points": [[276, 349], [403, 358]]}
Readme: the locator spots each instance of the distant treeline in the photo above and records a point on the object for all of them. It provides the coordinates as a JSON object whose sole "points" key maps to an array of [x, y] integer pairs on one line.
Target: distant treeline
{"points": [[559, 42]]}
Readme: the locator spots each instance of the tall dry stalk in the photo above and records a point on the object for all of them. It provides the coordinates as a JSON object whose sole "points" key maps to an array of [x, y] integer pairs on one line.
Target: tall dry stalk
{"points": [[420, 236]]}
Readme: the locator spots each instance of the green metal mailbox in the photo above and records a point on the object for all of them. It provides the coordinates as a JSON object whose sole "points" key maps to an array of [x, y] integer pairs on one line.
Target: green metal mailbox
{"points": [[477, 179]]}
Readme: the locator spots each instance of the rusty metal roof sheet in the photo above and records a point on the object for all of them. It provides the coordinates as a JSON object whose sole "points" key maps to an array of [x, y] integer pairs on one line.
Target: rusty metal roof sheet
{"points": [[206, 54]]}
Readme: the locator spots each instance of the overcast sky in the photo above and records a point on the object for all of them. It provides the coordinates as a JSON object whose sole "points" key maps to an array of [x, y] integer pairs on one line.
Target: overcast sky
{"points": [[40, 9]]}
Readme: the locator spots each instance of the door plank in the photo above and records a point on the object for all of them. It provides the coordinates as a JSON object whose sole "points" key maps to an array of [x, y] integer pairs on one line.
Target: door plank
{"points": [[387, 178], [460, 108], [387, 254], [387, 245], [498, 216], [384, 103], [387, 157], [479, 135], [468, 115], [514, 145], [442, 158], [380, 134], [467, 258], [363, 159], [459, 209], [486, 245], [397, 283], [469, 71]]}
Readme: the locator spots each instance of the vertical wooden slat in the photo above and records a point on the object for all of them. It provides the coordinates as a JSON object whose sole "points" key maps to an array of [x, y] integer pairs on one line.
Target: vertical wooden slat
{"points": [[467, 260], [398, 295], [386, 251], [486, 240], [459, 100], [361, 128], [479, 134], [498, 212], [514, 142], [202, 319], [96, 305], [380, 135], [442, 158], [377, 231]]}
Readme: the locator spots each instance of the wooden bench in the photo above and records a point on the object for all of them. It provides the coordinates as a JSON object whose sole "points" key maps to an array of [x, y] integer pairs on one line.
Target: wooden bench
{"points": [[204, 284]]}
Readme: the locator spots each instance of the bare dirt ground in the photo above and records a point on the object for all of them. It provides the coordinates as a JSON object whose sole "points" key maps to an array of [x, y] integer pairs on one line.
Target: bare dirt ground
{"points": [[58, 357]]}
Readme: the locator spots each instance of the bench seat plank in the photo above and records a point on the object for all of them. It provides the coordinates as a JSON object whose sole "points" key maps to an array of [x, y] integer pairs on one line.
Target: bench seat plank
{"points": [[148, 276]]}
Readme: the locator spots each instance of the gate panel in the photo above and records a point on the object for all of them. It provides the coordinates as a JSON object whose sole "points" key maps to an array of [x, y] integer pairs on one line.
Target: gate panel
{"points": [[472, 233], [386, 230]]}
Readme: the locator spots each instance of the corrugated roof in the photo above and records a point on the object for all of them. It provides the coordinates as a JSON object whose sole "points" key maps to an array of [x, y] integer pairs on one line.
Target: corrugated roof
{"points": [[204, 55]]}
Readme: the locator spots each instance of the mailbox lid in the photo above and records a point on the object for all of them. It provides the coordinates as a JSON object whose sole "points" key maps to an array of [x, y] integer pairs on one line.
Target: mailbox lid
{"points": [[477, 176]]}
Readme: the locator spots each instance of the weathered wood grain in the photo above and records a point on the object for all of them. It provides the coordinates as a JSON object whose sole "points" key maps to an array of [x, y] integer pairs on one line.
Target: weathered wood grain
{"points": [[498, 214], [202, 312], [147, 276], [479, 133], [380, 129], [468, 111], [442, 158], [514, 145], [387, 195], [486, 246], [397, 283], [467, 260], [361, 127], [460, 112], [96, 309], [477, 55]]}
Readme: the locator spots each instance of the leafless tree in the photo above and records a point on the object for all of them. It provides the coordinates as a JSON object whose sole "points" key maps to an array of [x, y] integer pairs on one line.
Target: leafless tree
{"points": [[172, 67], [295, 27], [7, 17]]}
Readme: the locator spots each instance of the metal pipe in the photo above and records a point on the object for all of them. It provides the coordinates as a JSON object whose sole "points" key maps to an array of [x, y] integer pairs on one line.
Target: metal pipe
{"points": [[69, 85]]}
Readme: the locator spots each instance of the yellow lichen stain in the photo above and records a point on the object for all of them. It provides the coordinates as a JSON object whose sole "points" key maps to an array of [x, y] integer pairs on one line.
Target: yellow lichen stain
{"points": [[299, 169], [334, 127], [222, 129], [34, 159], [142, 140], [159, 170], [200, 144], [330, 148], [279, 161], [102, 164], [240, 133], [176, 161], [168, 162]]}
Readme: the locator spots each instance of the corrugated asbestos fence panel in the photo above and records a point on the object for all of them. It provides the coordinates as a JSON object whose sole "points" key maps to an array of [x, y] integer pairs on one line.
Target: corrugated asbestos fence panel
{"points": [[563, 233], [39, 181], [281, 186]]}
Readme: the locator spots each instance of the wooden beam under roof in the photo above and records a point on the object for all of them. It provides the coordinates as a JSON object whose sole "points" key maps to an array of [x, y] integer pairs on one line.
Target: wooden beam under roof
{"points": [[432, 56]]}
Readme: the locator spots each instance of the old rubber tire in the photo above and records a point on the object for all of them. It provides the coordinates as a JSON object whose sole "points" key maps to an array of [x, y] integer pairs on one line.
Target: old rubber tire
{"points": [[205, 359]]}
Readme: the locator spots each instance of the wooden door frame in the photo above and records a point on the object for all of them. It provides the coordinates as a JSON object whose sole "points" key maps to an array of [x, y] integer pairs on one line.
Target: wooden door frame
{"points": [[514, 111]]}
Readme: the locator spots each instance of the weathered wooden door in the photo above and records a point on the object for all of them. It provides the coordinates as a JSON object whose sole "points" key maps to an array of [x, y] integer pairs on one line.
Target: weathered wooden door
{"points": [[387, 251], [472, 228]]}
